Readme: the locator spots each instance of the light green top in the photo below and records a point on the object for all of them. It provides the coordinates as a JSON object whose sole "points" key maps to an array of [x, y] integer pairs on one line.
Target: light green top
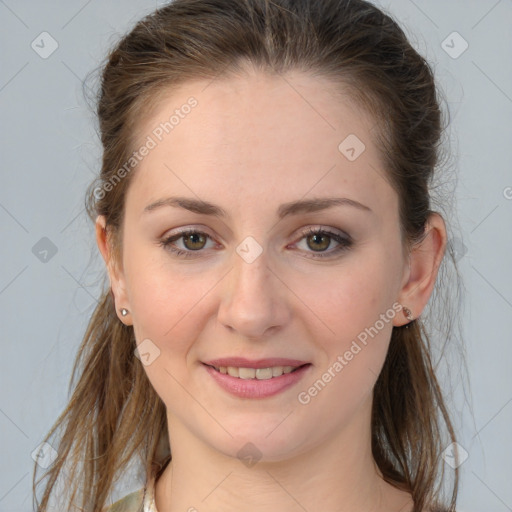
{"points": [[142, 500]]}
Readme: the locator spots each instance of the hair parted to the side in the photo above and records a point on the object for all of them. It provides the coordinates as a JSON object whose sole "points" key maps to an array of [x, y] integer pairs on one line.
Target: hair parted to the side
{"points": [[114, 413]]}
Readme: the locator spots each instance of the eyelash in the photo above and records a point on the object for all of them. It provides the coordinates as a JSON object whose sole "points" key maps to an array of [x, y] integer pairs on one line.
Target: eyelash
{"points": [[345, 242]]}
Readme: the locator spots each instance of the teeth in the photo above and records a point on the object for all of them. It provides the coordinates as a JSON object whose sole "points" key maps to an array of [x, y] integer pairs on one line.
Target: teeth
{"points": [[263, 373], [233, 371], [255, 373], [277, 370], [246, 373]]}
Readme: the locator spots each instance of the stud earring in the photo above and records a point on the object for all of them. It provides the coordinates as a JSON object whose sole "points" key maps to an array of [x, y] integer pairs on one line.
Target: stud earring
{"points": [[124, 311], [408, 313]]}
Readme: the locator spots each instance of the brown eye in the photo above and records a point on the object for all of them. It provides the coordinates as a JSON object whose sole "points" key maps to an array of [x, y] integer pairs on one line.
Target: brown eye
{"points": [[318, 242], [194, 241]]}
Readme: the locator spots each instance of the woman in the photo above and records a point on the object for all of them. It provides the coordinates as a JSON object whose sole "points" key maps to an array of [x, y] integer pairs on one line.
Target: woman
{"points": [[263, 211]]}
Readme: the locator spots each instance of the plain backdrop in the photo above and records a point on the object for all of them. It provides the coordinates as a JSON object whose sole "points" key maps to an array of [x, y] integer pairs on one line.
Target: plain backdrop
{"points": [[51, 270]]}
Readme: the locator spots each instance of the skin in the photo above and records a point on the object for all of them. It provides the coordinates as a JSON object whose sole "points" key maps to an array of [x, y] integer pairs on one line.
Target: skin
{"points": [[253, 143]]}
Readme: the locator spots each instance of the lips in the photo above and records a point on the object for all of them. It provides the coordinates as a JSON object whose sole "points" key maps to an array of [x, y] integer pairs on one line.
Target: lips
{"points": [[260, 378]]}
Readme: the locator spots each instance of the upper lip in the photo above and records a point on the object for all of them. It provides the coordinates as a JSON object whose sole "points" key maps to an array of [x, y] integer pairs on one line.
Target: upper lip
{"points": [[241, 362]]}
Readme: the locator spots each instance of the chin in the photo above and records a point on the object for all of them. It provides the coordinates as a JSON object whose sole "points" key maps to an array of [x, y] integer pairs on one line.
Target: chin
{"points": [[261, 442]]}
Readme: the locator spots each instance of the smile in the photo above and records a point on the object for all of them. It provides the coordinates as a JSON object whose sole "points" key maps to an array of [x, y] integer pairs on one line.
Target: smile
{"points": [[264, 382], [255, 373]]}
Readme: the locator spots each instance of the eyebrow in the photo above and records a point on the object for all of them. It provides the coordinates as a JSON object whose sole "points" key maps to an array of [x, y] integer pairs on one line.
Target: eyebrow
{"points": [[284, 210]]}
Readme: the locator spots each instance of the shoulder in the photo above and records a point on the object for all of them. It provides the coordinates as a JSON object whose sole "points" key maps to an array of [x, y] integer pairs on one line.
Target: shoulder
{"points": [[130, 503]]}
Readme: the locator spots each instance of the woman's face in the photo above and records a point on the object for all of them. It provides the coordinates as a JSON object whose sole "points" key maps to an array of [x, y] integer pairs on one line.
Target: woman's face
{"points": [[250, 282]]}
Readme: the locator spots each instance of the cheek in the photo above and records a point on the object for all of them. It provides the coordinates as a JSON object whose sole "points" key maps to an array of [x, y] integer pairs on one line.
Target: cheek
{"points": [[354, 302], [169, 311], [160, 299], [358, 310], [349, 298]]}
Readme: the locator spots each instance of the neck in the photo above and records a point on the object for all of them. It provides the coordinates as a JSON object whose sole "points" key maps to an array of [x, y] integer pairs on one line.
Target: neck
{"points": [[339, 474]]}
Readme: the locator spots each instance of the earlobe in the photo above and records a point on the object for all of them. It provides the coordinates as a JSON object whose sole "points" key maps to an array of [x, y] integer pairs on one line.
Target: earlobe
{"points": [[425, 259]]}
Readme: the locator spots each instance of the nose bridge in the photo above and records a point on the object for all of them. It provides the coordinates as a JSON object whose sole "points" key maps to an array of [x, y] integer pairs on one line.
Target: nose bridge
{"points": [[250, 277], [251, 302]]}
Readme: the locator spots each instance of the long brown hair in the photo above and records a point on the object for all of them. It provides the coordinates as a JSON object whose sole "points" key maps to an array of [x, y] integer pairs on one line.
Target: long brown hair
{"points": [[114, 413]]}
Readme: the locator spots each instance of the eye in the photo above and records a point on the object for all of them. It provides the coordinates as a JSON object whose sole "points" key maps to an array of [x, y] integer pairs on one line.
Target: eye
{"points": [[320, 239], [193, 241]]}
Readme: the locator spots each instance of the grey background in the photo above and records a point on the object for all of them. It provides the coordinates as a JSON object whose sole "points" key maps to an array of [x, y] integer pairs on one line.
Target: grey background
{"points": [[50, 152]]}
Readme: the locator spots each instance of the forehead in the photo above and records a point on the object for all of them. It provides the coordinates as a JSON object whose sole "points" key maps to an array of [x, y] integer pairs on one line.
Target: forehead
{"points": [[260, 133]]}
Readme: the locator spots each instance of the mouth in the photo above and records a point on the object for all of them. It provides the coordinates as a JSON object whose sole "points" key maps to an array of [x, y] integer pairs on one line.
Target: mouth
{"points": [[256, 379]]}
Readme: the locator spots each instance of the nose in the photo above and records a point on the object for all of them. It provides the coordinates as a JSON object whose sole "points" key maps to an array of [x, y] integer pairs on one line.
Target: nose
{"points": [[254, 300]]}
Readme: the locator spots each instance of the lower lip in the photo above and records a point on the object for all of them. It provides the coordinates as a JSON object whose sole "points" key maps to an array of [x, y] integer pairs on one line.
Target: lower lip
{"points": [[255, 388]]}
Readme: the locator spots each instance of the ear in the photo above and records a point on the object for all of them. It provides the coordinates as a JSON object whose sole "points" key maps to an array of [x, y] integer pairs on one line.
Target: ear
{"points": [[425, 259], [114, 268]]}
